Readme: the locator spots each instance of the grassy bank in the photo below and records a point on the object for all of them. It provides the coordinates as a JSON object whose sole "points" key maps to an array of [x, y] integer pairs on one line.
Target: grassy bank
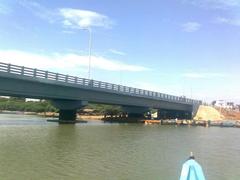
{"points": [[19, 104]]}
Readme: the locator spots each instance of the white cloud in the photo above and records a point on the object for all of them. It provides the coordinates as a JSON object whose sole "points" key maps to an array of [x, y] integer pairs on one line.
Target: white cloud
{"points": [[68, 32], [191, 26], [203, 75], [77, 18], [63, 63], [166, 88], [69, 17], [230, 21], [114, 51], [148, 86]]}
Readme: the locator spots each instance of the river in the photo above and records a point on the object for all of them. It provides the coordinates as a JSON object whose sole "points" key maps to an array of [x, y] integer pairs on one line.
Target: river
{"points": [[31, 148]]}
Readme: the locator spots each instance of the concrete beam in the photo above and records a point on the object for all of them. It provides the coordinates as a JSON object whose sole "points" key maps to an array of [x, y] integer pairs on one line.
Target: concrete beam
{"points": [[47, 89], [68, 104]]}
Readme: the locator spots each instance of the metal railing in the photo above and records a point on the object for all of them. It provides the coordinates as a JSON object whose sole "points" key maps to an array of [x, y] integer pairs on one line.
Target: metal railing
{"points": [[36, 73]]}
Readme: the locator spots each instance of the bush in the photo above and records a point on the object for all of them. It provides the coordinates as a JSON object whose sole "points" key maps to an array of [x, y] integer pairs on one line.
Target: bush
{"points": [[19, 104]]}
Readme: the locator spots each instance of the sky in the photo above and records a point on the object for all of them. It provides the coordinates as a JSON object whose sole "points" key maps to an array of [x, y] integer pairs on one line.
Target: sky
{"points": [[179, 47]]}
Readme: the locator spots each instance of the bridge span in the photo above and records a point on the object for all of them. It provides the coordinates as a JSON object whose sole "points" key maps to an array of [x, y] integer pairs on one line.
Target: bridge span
{"points": [[69, 93]]}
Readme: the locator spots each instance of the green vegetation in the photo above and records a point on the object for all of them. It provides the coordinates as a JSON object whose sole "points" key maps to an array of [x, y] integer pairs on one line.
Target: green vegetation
{"points": [[111, 110], [19, 104]]}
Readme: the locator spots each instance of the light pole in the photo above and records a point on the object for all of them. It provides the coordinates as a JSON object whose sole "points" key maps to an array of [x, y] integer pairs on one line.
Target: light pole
{"points": [[89, 50]]}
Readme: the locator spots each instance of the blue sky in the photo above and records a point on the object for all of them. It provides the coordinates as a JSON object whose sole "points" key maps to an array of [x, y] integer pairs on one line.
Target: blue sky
{"points": [[180, 47]]}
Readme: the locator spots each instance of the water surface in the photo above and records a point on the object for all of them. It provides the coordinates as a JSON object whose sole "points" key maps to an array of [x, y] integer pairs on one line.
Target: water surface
{"points": [[31, 148]]}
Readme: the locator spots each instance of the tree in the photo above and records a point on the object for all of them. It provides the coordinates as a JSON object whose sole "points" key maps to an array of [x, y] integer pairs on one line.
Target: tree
{"points": [[213, 103]]}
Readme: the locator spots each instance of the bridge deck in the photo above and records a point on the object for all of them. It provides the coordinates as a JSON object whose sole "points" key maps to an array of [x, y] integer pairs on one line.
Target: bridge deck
{"points": [[67, 80]]}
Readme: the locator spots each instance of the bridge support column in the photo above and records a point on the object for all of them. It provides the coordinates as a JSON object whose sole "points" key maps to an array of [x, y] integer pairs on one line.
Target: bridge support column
{"points": [[67, 115], [68, 109], [135, 111]]}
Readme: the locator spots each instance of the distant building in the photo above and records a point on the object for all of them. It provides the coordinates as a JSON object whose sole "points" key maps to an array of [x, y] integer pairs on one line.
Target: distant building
{"points": [[224, 104], [6, 97], [32, 100], [238, 107], [25, 99]]}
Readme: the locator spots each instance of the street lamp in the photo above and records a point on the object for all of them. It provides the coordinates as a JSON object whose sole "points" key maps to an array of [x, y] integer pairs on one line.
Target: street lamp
{"points": [[89, 50]]}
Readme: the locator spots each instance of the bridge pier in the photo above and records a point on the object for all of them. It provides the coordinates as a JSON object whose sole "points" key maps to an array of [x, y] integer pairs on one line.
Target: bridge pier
{"points": [[135, 111], [68, 110], [67, 116]]}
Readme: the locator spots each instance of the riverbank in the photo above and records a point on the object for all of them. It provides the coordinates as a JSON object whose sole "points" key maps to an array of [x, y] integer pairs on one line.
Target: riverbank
{"points": [[45, 114], [221, 123], [206, 116]]}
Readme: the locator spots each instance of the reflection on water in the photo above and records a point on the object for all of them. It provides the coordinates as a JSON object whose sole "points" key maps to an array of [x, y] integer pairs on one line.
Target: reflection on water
{"points": [[31, 148], [21, 119]]}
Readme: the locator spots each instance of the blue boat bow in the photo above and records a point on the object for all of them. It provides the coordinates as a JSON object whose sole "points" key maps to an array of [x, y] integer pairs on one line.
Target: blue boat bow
{"points": [[191, 170]]}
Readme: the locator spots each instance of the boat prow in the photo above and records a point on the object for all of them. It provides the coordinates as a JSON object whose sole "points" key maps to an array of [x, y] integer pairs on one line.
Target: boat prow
{"points": [[191, 170]]}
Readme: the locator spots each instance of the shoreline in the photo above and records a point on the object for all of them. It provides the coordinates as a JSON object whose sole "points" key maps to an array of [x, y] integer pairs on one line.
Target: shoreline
{"points": [[205, 123], [184, 122]]}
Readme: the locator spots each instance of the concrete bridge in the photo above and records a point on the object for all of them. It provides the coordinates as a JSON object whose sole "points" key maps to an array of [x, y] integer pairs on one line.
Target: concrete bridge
{"points": [[69, 93]]}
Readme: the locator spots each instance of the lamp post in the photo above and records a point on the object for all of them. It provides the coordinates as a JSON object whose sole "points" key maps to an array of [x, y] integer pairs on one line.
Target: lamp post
{"points": [[89, 50]]}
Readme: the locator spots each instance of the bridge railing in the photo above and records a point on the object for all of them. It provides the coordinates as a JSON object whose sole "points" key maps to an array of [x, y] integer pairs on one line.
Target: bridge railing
{"points": [[36, 73]]}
